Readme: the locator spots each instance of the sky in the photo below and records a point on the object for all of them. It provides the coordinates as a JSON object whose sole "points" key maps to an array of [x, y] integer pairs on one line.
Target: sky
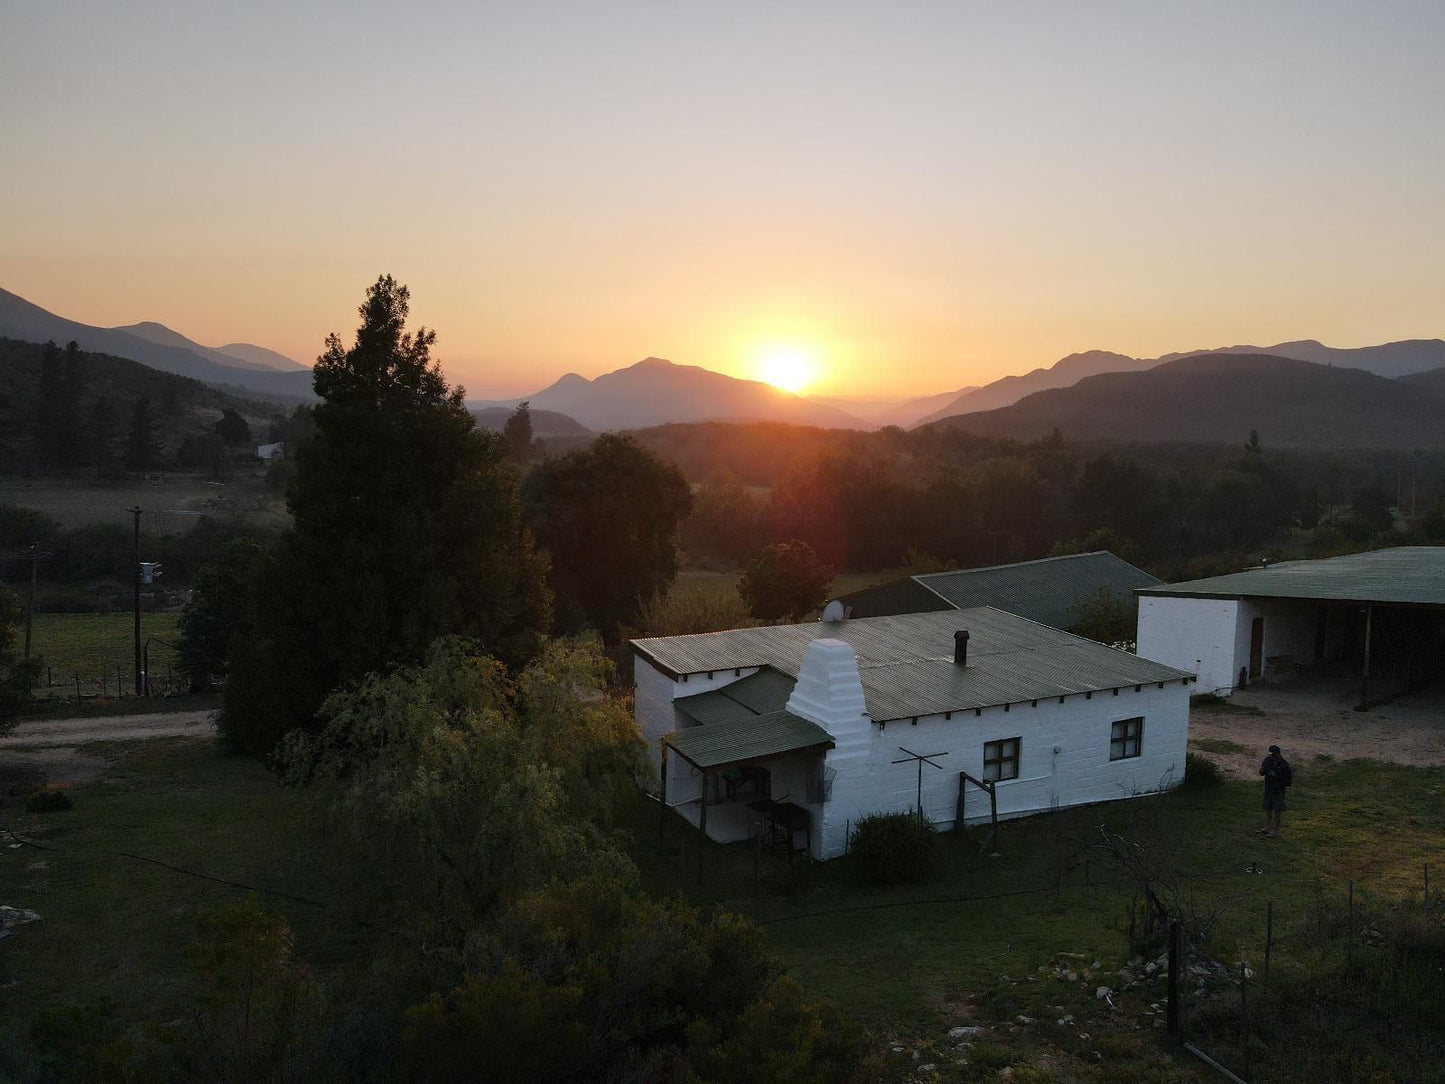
{"points": [[908, 197]]}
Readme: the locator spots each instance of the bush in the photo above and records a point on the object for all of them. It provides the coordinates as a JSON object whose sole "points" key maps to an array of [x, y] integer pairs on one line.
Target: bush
{"points": [[891, 848], [1201, 772]]}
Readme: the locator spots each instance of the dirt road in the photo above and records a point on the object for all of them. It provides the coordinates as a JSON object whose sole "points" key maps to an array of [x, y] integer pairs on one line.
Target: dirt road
{"points": [[56, 750]]}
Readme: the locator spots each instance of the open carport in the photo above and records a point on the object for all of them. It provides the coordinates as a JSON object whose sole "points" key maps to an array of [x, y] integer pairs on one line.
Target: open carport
{"points": [[1379, 616]]}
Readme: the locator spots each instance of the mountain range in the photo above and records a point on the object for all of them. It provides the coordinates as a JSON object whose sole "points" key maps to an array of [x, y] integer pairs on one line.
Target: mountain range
{"points": [[1389, 360], [1220, 397], [238, 365], [655, 391]]}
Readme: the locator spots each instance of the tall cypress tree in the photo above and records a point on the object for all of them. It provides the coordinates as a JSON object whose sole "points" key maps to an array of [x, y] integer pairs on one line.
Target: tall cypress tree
{"points": [[142, 449], [72, 441], [49, 440], [101, 433], [406, 526]]}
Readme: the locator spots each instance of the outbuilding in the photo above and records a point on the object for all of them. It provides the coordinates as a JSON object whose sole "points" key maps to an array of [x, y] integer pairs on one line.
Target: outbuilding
{"points": [[1379, 615], [965, 715]]}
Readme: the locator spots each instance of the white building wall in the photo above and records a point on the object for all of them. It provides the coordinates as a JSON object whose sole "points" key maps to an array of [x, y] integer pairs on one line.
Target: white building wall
{"points": [[1200, 635], [1063, 751], [1289, 629]]}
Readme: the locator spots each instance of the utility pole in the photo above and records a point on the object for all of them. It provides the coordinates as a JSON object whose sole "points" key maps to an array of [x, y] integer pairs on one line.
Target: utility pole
{"points": [[135, 569]]}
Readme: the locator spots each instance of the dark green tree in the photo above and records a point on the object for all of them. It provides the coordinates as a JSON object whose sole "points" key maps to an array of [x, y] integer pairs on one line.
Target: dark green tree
{"points": [[1374, 505], [72, 388], [102, 432], [233, 429], [786, 580], [142, 448], [609, 515], [17, 675], [405, 527], [517, 434], [49, 434], [217, 611]]}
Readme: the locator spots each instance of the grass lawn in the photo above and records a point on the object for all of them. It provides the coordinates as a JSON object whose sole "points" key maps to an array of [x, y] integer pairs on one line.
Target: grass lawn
{"points": [[965, 948], [92, 645]]}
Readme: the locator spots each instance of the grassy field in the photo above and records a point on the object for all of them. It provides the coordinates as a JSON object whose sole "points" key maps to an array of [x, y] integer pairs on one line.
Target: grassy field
{"points": [[169, 507], [966, 948], [93, 647]]}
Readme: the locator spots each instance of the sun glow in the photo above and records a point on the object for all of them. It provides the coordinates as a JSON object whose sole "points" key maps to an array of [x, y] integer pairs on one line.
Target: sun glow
{"points": [[789, 370]]}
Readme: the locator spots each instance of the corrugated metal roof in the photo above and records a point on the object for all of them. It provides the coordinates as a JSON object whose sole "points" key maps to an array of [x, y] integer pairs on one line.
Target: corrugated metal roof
{"points": [[755, 737], [905, 662], [1407, 574], [906, 596], [757, 694], [1047, 590]]}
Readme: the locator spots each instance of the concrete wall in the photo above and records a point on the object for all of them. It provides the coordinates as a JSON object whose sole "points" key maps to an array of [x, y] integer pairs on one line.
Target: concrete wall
{"points": [[1196, 634], [1063, 759]]}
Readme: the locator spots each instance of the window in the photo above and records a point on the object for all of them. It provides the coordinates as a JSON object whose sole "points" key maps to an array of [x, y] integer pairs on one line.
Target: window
{"points": [[1000, 760], [1125, 737]]}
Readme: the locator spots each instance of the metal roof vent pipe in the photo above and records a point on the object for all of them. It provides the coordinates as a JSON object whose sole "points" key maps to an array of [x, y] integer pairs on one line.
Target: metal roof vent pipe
{"points": [[960, 647]]}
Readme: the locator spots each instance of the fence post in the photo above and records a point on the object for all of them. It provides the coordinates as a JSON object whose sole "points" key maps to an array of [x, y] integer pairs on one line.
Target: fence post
{"points": [[1427, 882], [1244, 1012], [1268, 939], [1172, 1008], [1350, 930]]}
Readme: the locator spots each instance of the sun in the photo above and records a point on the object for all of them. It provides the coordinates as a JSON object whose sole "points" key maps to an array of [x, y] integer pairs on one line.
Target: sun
{"points": [[787, 370]]}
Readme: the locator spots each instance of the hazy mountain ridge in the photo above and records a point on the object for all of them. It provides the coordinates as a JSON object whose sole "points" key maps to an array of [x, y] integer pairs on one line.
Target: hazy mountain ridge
{"points": [[905, 412], [245, 355], [1388, 360], [655, 391], [23, 320], [1221, 397]]}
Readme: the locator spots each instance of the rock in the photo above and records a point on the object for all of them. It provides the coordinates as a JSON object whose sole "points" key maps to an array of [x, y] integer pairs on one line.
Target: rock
{"points": [[1150, 968], [1101, 993], [1006, 1073], [929, 1068], [1065, 1021], [963, 1032], [1070, 976], [1025, 1020]]}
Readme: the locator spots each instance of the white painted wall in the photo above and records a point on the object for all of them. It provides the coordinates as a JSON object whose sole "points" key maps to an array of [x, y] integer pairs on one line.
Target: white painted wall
{"points": [[1200, 635], [1080, 772]]}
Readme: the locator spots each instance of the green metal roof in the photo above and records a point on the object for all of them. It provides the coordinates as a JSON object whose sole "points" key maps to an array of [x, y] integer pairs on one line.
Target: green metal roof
{"points": [[906, 596], [1046, 591], [758, 694], [1407, 574], [905, 662], [754, 737]]}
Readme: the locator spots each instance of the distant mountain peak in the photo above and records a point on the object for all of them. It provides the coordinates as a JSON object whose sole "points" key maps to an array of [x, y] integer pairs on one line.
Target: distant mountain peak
{"points": [[654, 363]]}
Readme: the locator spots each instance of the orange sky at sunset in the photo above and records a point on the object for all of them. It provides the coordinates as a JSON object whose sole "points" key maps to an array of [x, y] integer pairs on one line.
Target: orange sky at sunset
{"points": [[913, 197]]}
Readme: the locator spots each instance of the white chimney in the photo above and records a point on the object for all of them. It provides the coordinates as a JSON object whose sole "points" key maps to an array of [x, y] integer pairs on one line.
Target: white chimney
{"points": [[829, 691]]}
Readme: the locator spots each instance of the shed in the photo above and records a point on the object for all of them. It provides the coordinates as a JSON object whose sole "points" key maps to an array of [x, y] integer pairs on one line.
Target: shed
{"points": [[1380, 614]]}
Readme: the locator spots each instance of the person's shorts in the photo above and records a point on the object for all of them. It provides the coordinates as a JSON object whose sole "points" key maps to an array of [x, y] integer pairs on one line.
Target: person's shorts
{"points": [[1274, 801]]}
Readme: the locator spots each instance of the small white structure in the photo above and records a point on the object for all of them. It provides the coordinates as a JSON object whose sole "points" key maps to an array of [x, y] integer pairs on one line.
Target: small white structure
{"points": [[271, 451], [806, 725], [1380, 615]]}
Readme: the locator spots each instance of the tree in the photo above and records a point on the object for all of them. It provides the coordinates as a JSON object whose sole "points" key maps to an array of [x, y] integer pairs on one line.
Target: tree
{"points": [[609, 515], [233, 429], [49, 435], [17, 675], [1105, 616], [102, 433], [216, 611], [72, 387], [405, 527], [142, 449], [786, 580], [517, 434]]}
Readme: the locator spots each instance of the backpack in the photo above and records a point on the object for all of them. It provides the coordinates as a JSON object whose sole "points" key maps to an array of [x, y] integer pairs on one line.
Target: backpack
{"points": [[1286, 774]]}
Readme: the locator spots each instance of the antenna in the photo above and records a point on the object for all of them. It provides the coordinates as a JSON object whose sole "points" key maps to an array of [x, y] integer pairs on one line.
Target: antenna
{"points": [[922, 759]]}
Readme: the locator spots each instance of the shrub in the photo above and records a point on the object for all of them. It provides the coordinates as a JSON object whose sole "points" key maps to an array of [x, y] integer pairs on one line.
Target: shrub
{"points": [[891, 848], [1201, 772]]}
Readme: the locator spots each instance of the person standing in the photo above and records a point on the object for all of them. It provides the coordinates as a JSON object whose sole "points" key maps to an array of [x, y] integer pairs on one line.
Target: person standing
{"points": [[1277, 778]]}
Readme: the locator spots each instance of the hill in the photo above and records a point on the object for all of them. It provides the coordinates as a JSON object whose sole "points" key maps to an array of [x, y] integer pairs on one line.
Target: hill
{"points": [[545, 423], [1221, 397], [655, 391], [902, 412], [1432, 381], [156, 346], [243, 354], [181, 407], [1389, 360], [1064, 372]]}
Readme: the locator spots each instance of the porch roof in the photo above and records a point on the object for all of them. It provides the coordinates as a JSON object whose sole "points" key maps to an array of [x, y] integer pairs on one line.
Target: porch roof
{"points": [[744, 738]]}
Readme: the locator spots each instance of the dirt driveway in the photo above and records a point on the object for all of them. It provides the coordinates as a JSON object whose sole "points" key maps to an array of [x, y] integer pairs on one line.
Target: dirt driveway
{"points": [[68, 750], [1307, 719]]}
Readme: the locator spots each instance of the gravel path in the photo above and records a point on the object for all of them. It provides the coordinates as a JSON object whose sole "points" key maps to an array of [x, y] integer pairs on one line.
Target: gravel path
{"points": [[55, 750], [1307, 720]]}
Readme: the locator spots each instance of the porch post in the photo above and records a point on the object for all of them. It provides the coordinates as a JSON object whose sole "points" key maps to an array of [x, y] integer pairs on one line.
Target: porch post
{"points": [[1365, 674], [662, 794], [702, 827]]}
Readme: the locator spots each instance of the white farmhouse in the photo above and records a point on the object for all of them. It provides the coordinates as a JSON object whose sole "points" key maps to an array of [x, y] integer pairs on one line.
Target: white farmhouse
{"points": [[806, 728], [271, 451]]}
